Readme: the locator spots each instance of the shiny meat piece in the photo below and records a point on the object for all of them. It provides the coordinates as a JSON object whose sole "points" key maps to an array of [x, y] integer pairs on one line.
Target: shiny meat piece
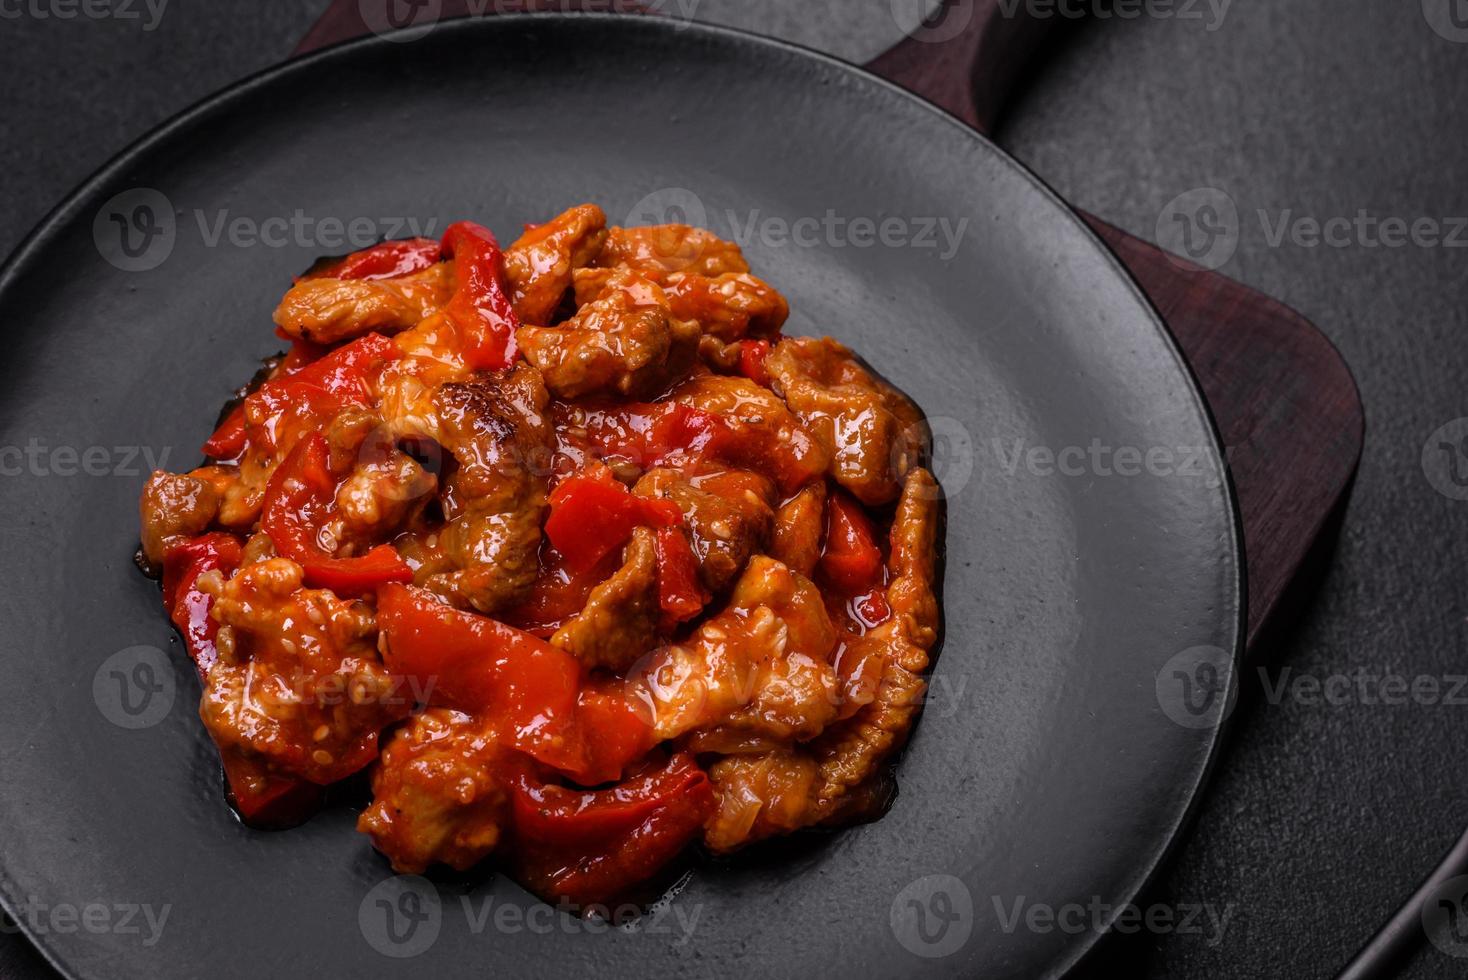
{"points": [[873, 433], [730, 306], [850, 753], [438, 794], [540, 264], [620, 620], [838, 775], [800, 524], [326, 311], [380, 494], [728, 515], [761, 667], [298, 683], [670, 248], [486, 556], [623, 343], [760, 796], [172, 506], [766, 435]]}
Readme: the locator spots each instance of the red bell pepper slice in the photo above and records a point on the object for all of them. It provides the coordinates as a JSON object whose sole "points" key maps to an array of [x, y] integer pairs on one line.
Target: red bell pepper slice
{"points": [[478, 665], [680, 594], [591, 516], [316, 385], [228, 440], [533, 690], [616, 731], [752, 357], [872, 609], [298, 500], [188, 607], [851, 559], [268, 801], [591, 847], [358, 576], [345, 370], [480, 308], [387, 260]]}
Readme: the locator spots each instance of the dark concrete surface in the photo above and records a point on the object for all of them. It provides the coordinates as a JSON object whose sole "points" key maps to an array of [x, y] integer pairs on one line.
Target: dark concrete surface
{"points": [[1322, 816]]}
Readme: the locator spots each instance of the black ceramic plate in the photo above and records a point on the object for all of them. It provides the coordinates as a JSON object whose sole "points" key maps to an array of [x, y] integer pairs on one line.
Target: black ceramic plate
{"points": [[1063, 746]]}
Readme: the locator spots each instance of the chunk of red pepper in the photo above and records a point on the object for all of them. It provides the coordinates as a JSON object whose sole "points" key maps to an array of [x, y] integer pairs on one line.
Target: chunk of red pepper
{"points": [[752, 357], [591, 847], [850, 560], [480, 308], [299, 500], [228, 440], [313, 386], [533, 690], [386, 260], [266, 800], [680, 594], [591, 515], [188, 606]]}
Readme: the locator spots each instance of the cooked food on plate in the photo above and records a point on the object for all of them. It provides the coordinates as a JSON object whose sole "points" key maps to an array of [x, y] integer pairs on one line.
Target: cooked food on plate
{"points": [[565, 548]]}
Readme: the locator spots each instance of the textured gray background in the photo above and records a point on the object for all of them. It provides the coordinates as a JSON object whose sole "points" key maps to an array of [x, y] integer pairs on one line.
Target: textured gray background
{"points": [[1321, 818]]}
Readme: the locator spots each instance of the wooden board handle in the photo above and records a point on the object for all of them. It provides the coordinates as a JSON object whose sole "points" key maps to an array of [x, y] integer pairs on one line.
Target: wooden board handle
{"points": [[967, 55]]}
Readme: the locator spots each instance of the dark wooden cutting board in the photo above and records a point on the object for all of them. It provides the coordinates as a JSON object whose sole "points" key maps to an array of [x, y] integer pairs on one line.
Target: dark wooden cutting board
{"points": [[1284, 400]]}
